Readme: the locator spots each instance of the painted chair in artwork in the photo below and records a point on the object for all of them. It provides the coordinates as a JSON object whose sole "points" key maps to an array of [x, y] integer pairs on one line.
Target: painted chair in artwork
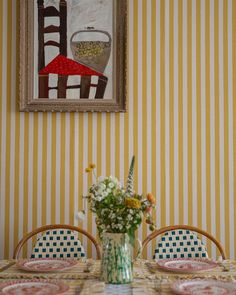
{"points": [[57, 241], [43, 13], [181, 241], [59, 63]]}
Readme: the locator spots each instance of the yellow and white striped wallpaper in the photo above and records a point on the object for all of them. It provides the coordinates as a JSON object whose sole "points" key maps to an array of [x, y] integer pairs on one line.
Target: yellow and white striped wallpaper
{"points": [[180, 124]]}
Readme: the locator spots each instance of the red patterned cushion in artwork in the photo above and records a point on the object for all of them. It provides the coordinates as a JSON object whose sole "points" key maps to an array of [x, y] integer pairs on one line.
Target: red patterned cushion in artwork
{"points": [[62, 65]]}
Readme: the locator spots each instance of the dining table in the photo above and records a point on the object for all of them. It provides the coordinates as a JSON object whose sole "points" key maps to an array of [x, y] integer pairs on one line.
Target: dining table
{"points": [[148, 278]]}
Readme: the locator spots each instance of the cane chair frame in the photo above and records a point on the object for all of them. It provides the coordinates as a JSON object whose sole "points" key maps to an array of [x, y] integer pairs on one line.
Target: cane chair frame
{"points": [[52, 227], [162, 230]]}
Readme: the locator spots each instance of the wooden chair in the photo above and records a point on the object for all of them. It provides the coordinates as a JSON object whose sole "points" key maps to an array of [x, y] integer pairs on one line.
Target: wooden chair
{"points": [[57, 241], [181, 241], [45, 12]]}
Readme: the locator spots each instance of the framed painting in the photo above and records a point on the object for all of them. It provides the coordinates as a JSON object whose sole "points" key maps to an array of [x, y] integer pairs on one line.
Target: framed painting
{"points": [[73, 55]]}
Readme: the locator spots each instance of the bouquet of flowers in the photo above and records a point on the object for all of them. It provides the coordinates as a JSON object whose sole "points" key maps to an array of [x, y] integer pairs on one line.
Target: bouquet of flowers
{"points": [[119, 209]]}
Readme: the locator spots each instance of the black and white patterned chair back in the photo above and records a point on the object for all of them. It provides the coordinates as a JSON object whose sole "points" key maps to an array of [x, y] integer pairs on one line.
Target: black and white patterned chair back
{"points": [[179, 244], [58, 243]]}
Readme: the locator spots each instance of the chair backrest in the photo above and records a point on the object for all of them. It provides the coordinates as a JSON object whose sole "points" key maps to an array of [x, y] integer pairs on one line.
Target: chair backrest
{"points": [[43, 13], [181, 241], [179, 244], [48, 12], [57, 241]]}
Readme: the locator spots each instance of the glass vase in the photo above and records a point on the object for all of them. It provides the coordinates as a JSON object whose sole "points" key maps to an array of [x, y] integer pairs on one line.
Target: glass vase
{"points": [[116, 263]]}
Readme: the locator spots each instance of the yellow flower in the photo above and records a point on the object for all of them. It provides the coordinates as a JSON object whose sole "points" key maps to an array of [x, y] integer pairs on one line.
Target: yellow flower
{"points": [[92, 166], [132, 203], [87, 170]]}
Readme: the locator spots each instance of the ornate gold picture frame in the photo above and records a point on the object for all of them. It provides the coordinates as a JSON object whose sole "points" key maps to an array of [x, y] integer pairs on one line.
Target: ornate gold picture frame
{"points": [[73, 55]]}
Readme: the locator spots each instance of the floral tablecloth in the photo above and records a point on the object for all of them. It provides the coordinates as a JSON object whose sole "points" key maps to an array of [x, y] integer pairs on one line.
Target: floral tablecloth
{"points": [[148, 278]]}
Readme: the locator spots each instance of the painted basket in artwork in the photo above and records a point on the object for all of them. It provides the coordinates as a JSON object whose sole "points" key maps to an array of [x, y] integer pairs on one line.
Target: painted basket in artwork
{"points": [[94, 54]]}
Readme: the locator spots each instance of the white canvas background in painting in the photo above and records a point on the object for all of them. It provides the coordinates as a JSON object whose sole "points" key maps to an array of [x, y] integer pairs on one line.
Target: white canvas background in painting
{"points": [[80, 14]]}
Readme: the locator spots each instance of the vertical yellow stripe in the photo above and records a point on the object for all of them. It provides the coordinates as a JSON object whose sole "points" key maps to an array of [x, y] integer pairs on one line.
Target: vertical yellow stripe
{"points": [[180, 110], [99, 147], [17, 138], [26, 178], [82, 201], [135, 91], [108, 144], [226, 126], [99, 144], [153, 101], [234, 102], [135, 95], [217, 121], [35, 172], [144, 106], [171, 109], [90, 176], [189, 108], [80, 166], [16, 177], [72, 169], [198, 105], [117, 145], [44, 168], [1, 86], [144, 94], [53, 169], [208, 126], [126, 145], [90, 143], [126, 117], [162, 111], [62, 168], [8, 128]]}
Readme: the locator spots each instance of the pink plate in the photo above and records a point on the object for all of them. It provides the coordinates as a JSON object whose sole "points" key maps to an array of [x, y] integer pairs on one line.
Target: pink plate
{"points": [[46, 264], [27, 287], [184, 265], [204, 287]]}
